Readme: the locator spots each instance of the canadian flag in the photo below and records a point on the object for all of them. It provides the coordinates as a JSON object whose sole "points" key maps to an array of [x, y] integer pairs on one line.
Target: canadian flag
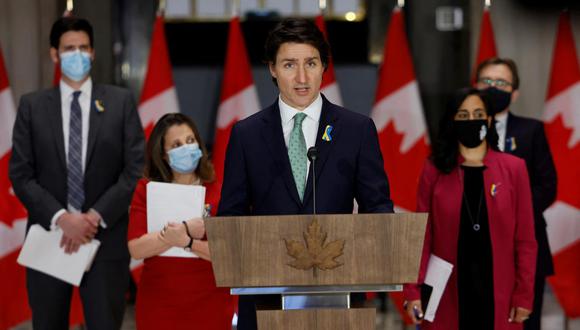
{"points": [[398, 115], [238, 99], [562, 124], [158, 96], [329, 86], [487, 48], [13, 298]]}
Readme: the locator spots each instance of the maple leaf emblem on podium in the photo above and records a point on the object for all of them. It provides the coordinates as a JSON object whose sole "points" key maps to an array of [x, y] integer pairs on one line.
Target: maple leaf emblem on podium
{"points": [[315, 254]]}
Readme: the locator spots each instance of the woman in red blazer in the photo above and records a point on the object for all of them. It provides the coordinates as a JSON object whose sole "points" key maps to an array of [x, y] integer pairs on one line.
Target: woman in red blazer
{"points": [[480, 220], [174, 292]]}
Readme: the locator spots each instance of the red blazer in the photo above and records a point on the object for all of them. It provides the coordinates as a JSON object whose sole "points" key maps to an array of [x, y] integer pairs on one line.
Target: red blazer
{"points": [[511, 225]]}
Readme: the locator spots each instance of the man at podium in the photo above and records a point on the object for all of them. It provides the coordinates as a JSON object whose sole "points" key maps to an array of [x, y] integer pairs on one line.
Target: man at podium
{"points": [[267, 170]]}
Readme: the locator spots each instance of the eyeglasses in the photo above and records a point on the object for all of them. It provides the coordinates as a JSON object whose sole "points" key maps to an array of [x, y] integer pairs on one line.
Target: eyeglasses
{"points": [[494, 82]]}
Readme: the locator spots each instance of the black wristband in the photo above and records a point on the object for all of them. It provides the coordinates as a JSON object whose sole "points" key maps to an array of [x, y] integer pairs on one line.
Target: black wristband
{"points": [[188, 246]]}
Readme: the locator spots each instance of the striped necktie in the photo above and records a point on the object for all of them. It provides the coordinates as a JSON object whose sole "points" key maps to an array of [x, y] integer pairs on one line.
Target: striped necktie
{"points": [[75, 179]]}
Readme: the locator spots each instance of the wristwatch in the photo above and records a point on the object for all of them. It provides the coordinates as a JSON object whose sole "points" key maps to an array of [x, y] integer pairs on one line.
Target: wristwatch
{"points": [[188, 246]]}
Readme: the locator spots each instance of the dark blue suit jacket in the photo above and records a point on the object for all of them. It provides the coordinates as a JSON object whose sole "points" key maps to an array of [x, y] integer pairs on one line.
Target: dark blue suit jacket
{"points": [[258, 179], [525, 138]]}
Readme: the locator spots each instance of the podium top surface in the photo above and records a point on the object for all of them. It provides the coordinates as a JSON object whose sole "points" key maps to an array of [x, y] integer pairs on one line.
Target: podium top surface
{"points": [[316, 250]]}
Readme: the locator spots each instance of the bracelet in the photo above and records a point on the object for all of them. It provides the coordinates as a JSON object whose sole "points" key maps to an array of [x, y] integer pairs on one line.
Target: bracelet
{"points": [[188, 246], [186, 229]]}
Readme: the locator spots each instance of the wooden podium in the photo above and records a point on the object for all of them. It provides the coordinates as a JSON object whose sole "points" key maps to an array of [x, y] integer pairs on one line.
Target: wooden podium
{"points": [[315, 261]]}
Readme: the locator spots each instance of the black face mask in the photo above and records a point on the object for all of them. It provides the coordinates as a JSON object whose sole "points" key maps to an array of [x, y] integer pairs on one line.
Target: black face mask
{"points": [[499, 100], [471, 133]]}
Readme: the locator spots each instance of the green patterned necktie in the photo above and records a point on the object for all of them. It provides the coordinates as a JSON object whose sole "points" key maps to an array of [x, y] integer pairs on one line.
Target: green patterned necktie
{"points": [[297, 154]]}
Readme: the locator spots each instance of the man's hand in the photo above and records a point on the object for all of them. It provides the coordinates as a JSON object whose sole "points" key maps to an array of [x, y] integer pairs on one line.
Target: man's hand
{"points": [[94, 218], [76, 227], [69, 245]]}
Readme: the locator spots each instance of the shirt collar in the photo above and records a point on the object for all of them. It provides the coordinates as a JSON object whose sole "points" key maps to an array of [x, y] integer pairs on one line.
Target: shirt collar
{"points": [[66, 91], [312, 111], [501, 118]]}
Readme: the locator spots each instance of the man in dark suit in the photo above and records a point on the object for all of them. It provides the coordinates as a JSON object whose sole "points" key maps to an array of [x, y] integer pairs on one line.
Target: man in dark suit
{"points": [[267, 171], [77, 154], [525, 138]]}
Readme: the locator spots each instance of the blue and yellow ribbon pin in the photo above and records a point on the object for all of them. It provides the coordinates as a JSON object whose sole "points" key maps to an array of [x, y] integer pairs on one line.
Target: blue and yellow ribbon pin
{"points": [[513, 145], [100, 106], [493, 190], [326, 136]]}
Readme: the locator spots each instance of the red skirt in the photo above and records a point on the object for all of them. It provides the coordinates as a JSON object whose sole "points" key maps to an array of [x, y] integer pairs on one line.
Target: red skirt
{"points": [[180, 293]]}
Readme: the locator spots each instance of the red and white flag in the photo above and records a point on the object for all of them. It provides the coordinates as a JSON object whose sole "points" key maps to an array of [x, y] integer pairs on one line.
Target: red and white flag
{"points": [[398, 115], [158, 96], [562, 124], [329, 86], [239, 97], [486, 48], [13, 298]]}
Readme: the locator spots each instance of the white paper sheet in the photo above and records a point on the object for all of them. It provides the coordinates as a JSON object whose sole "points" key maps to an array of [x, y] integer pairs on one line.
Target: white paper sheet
{"points": [[42, 252], [170, 202], [438, 272]]}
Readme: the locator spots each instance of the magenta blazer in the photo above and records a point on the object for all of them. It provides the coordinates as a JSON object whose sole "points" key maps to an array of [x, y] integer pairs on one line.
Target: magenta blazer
{"points": [[511, 225]]}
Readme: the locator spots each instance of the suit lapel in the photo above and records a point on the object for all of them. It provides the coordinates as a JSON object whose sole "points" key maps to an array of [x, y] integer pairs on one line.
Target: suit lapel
{"points": [[328, 117], [55, 118], [274, 138], [95, 118]]}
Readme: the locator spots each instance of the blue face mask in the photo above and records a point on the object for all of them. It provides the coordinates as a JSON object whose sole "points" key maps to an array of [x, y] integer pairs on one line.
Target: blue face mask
{"points": [[185, 159], [75, 64]]}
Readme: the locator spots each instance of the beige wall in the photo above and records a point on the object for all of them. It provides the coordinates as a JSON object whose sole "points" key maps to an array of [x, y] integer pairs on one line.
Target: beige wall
{"points": [[523, 34], [24, 31], [527, 36]]}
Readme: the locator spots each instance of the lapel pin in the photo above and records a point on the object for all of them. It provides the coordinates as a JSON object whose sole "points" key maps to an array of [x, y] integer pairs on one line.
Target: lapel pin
{"points": [[513, 144], [99, 105], [326, 136], [493, 190]]}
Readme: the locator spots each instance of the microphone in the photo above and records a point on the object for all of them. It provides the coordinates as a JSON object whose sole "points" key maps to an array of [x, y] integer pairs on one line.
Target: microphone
{"points": [[312, 155]]}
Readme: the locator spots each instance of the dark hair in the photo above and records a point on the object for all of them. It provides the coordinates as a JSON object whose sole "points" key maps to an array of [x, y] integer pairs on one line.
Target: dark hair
{"points": [[66, 24], [446, 146], [501, 61], [156, 167], [296, 30]]}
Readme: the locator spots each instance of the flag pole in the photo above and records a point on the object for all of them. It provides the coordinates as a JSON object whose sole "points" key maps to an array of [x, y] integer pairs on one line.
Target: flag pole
{"points": [[161, 7], [322, 5], [235, 8]]}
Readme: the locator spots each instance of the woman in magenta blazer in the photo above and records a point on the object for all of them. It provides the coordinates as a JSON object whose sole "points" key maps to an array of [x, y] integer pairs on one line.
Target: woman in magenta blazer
{"points": [[480, 220]]}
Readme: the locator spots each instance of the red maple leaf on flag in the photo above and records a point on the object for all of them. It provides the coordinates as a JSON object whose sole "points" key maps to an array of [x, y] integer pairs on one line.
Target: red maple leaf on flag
{"points": [[403, 173], [558, 136]]}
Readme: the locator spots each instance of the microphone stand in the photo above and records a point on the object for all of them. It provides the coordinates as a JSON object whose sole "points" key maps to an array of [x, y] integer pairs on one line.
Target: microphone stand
{"points": [[312, 154]]}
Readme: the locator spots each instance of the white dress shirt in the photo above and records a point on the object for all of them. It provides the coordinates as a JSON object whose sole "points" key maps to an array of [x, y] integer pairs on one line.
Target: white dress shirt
{"points": [[309, 125], [66, 98], [501, 128]]}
